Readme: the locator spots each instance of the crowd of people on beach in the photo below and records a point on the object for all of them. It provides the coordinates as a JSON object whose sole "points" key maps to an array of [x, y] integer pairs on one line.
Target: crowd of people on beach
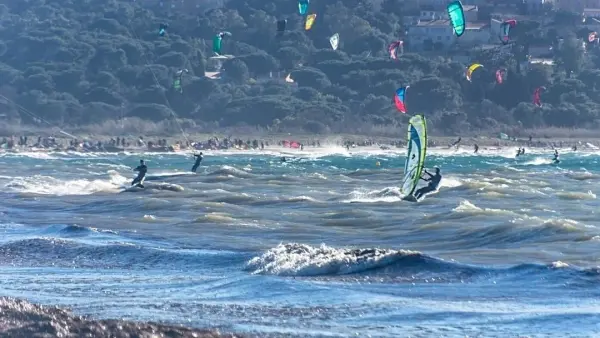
{"points": [[140, 144], [121, 144]]}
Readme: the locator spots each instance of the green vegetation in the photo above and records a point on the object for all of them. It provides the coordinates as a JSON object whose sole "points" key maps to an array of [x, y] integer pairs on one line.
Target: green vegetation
{"points": [[85, 62]]}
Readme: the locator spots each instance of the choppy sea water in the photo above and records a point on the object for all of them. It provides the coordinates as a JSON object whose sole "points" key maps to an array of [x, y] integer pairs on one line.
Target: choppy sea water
{"points": [[321, 245]]}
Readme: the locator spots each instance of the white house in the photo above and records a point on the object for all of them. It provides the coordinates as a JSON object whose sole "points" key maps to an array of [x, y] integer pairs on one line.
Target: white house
{"points": [[476, 33], [430, 35], [470, 12], [577, 6], [536, 6], [433, 30], [591, 13], [439, 35]]}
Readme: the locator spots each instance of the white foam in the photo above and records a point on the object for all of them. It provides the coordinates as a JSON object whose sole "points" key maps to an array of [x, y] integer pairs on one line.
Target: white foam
{"points": [[48, 185]]}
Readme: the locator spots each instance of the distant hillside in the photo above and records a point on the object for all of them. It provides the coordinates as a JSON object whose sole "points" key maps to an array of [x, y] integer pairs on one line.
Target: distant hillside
{"points": [[88, 61]]}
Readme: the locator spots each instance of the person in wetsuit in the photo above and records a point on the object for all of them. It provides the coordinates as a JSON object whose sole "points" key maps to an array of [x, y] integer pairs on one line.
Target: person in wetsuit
{"points": [[555, 159], [197, 163], [455, 144], [476, 148], [141, 169], [434, 182]]}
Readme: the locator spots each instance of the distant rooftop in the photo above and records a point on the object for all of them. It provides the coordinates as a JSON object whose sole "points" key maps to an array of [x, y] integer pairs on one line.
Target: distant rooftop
{"points": [[593, 21], [433, 23], [591, 12], [545, 62], [476, 25], [446, 23]]}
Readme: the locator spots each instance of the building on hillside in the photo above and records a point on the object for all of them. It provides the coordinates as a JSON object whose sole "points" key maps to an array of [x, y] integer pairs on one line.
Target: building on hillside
{"points": [[477, 33], [591, 13], [537, 6], [593, 24], [191, 6], [540, 52], [433, 32], [443, 3], [471, 13], [438, 35], [495, 28], [430, 35], [577, 6]]}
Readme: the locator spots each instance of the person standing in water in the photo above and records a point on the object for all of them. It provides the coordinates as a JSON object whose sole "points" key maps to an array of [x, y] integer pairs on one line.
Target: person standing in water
{"points": [[142, 170], [198, 160], [476, 148]]}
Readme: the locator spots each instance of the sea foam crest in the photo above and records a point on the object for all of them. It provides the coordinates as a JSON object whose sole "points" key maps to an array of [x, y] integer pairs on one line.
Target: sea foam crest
{"points": [[295, 259]]}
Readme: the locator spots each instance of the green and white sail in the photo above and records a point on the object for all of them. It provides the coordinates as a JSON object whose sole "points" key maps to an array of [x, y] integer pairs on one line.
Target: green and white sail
{"points": [[415, 154]]}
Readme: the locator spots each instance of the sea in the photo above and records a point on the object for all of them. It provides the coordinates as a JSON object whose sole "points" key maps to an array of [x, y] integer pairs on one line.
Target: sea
{"points": [[321, 245]]}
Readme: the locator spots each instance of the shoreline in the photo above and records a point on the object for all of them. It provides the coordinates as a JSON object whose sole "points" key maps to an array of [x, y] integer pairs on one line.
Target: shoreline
{"points": [[309, 142], [21, 318]]}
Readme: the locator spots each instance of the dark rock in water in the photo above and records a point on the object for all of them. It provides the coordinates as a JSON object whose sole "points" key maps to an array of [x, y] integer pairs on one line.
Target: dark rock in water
{"points": [[21, 319]]}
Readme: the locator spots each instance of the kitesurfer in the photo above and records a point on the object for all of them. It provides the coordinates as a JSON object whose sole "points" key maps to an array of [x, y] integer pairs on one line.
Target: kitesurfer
{"points": [[455, 144], [476, 148], [520, 151], [141, 169], [198, 160], [555, 159], [434, 182]]}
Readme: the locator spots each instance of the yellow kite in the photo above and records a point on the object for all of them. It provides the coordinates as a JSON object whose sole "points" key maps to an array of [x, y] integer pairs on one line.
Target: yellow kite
{"points": [[310, 19]]}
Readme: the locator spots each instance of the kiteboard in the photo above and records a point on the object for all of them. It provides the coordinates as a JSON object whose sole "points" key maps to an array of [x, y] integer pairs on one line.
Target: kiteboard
{"points": [[415, 156]]}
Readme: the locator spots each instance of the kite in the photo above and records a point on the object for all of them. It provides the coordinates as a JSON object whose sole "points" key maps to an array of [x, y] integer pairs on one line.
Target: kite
{"points": [[500, 75], [218, 41], [177, 82], [303, 6], [537, 100], [399, 99], [457, 17], [471, 69], [162, 29], [334, 41], [395, 48], [505, 28], [310, 20]]}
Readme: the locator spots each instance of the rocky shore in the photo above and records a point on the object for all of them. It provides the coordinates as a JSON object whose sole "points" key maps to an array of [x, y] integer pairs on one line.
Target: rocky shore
{"points": [[22, 319]]}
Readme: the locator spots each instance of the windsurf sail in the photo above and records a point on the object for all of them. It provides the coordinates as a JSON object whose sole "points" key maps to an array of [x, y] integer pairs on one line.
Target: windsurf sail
{"points": [[415, 154]]}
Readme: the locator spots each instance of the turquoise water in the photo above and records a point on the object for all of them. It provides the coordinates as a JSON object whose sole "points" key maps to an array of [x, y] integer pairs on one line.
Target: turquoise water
{"points": [[319, 246]]}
